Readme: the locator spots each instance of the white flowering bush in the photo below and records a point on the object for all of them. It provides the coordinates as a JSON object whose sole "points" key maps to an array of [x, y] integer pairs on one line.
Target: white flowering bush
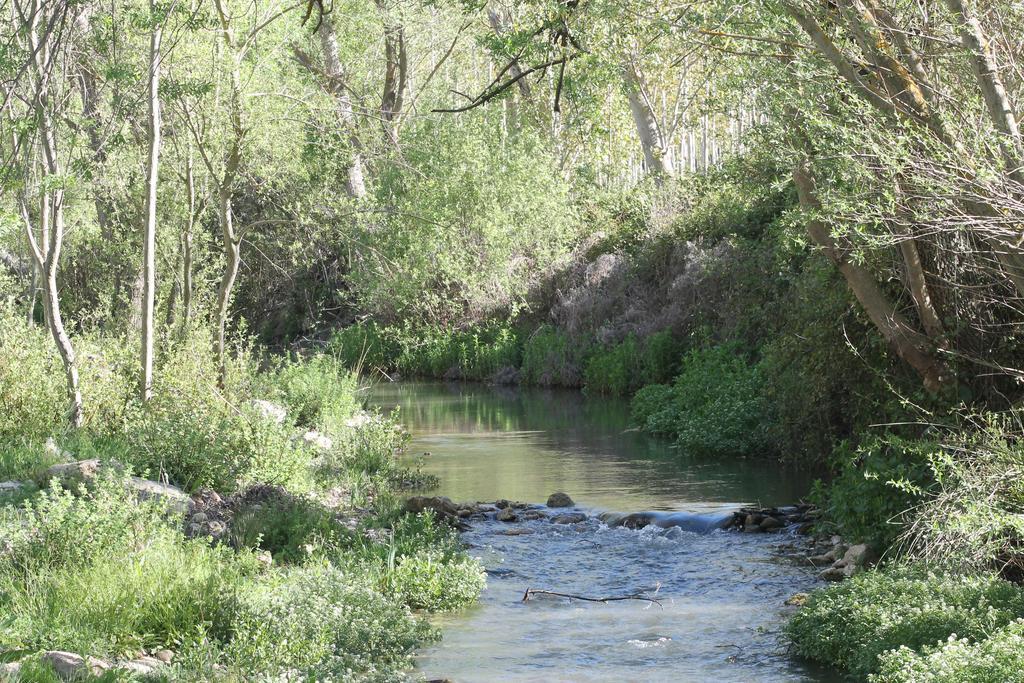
{"points": [[434, 581], [850, 624], [322, 623], [996, 659]]}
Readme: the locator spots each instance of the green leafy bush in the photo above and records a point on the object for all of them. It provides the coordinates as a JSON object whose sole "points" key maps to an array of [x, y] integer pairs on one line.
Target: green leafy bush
{"points": [[613, 369], [996, 659], [58, 528], [850, 624], [319, 392], [320, 622], [433, 580], [875, 484], [715, 406], [551, 358], [289, 526]]}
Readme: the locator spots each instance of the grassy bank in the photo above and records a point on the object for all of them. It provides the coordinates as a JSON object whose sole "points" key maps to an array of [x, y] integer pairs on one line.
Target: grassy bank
{"points": [[300, 565]]}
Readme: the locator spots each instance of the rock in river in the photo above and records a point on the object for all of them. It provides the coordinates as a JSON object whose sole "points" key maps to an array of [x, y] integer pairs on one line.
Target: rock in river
{"points": [[569, 518], [560, 499]]}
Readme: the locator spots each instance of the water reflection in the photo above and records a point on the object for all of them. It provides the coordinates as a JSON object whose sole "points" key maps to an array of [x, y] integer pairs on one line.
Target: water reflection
{"points": [[487, 443]]}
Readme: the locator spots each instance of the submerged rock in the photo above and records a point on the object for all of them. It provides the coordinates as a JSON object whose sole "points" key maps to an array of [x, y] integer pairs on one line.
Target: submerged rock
{"points": [[569, 518], [560, 499]]}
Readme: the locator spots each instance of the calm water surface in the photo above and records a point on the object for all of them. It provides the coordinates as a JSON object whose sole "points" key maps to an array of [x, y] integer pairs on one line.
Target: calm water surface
{"points": [[721, 593]]}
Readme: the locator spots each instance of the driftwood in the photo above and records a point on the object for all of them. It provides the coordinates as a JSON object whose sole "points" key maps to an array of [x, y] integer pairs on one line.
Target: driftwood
{"points": [[530, 592]]}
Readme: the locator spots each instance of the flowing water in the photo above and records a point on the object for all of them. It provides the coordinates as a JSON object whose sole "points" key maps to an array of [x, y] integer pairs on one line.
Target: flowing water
{"points": [[721, 593]]}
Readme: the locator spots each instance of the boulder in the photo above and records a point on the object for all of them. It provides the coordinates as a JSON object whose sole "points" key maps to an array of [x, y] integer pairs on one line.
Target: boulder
{"points": [[270, 411], [69, 666], [10, 671], [72, 474], [176, 500], [771, 524], [10, 488], [164, 656], [142, 666], [569, 518], [506, 515], [532, 515], [442, 505], [858, 556], [560, 500]]}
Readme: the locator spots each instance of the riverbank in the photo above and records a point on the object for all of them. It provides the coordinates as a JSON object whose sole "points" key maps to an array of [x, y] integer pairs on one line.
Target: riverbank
{"points": [[254, 531]]}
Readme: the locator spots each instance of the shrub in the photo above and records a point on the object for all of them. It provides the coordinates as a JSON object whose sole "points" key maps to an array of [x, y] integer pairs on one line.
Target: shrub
{"points": [[614, 369], [875, 484], [850, 624], [319, 392], [551, 358], [58, 528], [996, 659], [437, 581], [715, 406], [288, 526], [653, 408], [659, 358], [32, 394], [319, 622]]}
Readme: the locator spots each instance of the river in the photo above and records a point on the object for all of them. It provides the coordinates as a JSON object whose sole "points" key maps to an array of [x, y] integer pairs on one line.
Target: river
{"points": [[721, 594]]}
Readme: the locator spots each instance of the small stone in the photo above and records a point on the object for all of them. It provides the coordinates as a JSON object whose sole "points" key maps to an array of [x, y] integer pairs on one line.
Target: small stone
{"points": [[10, 671], [70, 666], [464, 512], [502, 504], [858, 556], [798, 600], [200, 518], [73, 473], [442, 505], [217, 528], [143, 666], [770, 524], [517, 531], [569, 518], [164, 656], [176, 500], [506, 515], [265, 558], [532, 515], [560, 500]]}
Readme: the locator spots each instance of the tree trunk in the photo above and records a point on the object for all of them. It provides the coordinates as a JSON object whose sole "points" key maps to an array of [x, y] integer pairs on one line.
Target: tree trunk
{"points": [[656, 154], [149, 233], [355, 185], [912, 346]]}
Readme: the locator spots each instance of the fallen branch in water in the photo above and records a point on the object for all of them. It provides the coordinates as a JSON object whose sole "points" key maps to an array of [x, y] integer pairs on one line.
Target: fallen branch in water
{"points": [[530, 592]]}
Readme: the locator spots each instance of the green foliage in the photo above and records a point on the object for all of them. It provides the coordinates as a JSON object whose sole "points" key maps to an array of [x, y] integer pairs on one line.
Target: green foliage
{"points": [[470, 224], [875, 484], [58, 528], [551, 358], [851, 624], [163, 593], [290, 527], [433, 581], [714, 407], [318, 392], [623, 368], [996, 659], [321, 622], [474, 353]]}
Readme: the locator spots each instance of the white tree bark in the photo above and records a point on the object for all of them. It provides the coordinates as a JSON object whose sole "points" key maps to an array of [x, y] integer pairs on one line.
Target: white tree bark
{"points": [[149, 232], [657, 156]]}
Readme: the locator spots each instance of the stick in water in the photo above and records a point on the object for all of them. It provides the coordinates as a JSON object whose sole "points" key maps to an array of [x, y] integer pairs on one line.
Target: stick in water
{"points": [[530, 592]]}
